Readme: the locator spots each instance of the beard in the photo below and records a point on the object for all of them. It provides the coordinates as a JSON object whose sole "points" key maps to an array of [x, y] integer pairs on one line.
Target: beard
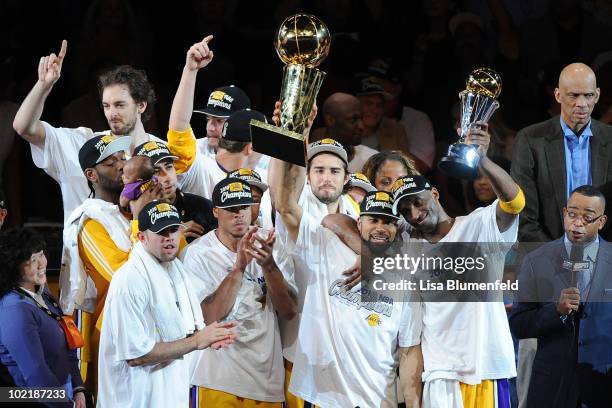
{"points": [[108, 184], [126, 129], [328, 197]]}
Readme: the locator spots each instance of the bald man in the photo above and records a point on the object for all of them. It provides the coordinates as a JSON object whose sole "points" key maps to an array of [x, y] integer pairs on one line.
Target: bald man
{"points": [[551, 159], [554, 157], [343, 122]]}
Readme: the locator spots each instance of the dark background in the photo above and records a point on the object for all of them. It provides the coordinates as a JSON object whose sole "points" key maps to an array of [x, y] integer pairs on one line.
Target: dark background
{"points": [[528, 49]]}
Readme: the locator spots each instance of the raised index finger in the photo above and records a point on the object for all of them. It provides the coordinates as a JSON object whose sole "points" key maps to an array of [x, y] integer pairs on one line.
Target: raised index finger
{"points": [[207, 39], [62, 52]]}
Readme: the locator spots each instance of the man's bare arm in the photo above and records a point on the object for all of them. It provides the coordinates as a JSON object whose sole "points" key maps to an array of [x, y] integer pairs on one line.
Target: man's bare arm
{"points": [[27, 120]]}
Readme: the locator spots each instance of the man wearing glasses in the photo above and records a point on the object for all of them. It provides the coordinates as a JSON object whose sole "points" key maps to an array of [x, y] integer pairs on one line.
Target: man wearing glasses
{"points": [[565, 289]]}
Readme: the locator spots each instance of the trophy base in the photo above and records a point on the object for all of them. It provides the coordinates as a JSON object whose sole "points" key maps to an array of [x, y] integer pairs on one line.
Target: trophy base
{"points": [[461, 162], [277, 142]]}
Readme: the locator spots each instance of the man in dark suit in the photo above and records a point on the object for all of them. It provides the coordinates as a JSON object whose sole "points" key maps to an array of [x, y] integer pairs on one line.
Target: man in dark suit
{"points": [[565, 290], [554, 157]]}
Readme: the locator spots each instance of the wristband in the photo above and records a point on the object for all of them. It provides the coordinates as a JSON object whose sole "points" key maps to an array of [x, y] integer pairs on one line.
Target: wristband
{"points": [[514, 206]]}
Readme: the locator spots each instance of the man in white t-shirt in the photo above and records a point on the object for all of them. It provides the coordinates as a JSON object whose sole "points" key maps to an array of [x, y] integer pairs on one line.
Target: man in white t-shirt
{"points": [[349, 349], [467, 347], [240, 277], [127, 97], [153, 321]]}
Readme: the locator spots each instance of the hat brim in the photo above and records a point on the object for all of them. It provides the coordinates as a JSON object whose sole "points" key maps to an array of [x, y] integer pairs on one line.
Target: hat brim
{"points": [[379, 214], [217, 113], [121, 144], [157, 231], [386, 95], [170, 156], [259, 184], [236, 205], [397, 200], [335, 150], [367, 187]]}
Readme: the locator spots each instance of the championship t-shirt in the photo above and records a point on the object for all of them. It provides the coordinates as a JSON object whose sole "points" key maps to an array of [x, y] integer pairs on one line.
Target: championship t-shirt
{"points": [[347, 350], [252, 367], [470, 341]]}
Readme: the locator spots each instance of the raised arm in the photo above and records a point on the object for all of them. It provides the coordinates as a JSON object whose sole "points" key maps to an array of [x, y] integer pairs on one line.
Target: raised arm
{"points": [[506, 190], [27, 120], [198, 56], [286, 183]]}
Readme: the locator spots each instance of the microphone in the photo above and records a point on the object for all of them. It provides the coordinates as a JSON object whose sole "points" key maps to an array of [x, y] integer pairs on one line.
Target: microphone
{"points": [[576, 261]]}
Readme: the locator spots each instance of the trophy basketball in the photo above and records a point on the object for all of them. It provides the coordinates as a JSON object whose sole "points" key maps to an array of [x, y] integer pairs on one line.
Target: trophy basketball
{"points": [[478, 102], [302, 43]]}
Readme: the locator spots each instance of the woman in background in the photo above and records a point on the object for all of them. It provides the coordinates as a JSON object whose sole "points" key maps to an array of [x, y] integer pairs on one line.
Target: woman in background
{"points": [[33, 345]]}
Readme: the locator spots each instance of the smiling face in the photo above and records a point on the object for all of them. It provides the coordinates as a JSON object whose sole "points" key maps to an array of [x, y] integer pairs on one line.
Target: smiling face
{"points": [[421, 210], [164, 245], [378, 232], [33, 271]]}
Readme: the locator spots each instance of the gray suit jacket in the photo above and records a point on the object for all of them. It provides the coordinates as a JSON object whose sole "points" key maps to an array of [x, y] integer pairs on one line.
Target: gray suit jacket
{"points": [[538, 166]]}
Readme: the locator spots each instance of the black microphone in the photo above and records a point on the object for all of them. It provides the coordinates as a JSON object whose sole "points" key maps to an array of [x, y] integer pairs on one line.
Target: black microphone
{"points": [[576, 260]]}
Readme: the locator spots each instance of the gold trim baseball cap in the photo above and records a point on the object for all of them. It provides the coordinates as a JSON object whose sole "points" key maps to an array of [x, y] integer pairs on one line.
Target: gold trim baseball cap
{"points": [[224, 101], [232, 192], [251, 177], [156, 216], [378, 203], [154, 150], [408, 185], [99, 148], [361, 181], [326, 146]]}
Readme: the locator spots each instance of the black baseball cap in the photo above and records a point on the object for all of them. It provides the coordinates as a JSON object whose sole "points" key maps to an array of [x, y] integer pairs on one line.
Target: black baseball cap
{"points": [[237, 127], [326, 146], [251, 177], [98, 148], [408, 185], [232, 192], [367, 86], [154, 150], [157, 216], [378, 203], [224, 101]]}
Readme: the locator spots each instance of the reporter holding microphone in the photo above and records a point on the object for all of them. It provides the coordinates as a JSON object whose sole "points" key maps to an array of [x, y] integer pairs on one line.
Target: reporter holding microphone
{"points": [[565, 290]]}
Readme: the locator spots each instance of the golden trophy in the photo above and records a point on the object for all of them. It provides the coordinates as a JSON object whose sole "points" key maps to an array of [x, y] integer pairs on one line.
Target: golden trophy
{"points": [[478, 103], [302, 43]]}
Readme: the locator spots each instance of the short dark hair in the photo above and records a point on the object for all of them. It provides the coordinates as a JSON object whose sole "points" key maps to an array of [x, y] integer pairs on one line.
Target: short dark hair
{"points": [[16, 246], [590, 191], [137, 82], [232, 146]]}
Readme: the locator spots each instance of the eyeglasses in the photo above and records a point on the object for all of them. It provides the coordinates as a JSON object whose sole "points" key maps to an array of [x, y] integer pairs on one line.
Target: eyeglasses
{"points": [[586, 218]]}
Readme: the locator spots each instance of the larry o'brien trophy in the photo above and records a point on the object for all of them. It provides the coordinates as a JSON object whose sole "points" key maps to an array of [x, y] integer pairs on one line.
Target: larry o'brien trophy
{"points": [[478, 102], [302, 43]]}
